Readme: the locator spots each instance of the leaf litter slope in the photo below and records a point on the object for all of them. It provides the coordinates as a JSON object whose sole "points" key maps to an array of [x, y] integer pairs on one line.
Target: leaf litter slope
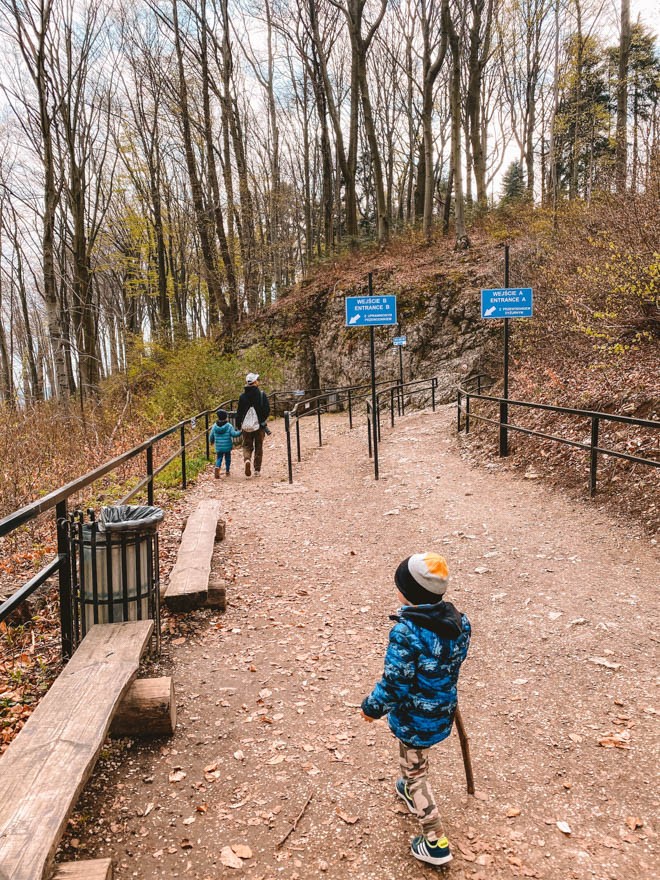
{"points": [[556, 692]]}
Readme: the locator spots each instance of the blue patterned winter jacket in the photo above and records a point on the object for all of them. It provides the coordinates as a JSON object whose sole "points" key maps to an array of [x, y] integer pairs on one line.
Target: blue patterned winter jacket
{"points": [[418, 690]]}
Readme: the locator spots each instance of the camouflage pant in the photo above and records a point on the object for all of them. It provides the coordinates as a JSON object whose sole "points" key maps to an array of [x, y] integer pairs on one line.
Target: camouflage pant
{"points": [[414, 769]]}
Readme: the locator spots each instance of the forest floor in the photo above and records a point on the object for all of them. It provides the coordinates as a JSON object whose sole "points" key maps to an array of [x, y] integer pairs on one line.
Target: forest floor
{"points": [[556, 692]]}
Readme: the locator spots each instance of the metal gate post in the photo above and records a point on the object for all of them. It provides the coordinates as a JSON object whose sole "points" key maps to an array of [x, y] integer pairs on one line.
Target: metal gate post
{"points": [[458, 412], [350, 410], [504, 420], [184, 481], [208, 447], [298, 438], [287, 428], [392, 407], [318, 419], [434, 383], [467, 413], [66, 599], [594, 456], [150, 473]]}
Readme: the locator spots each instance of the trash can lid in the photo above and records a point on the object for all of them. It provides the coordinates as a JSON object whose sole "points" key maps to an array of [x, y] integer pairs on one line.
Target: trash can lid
{"points": [[130, 517]]}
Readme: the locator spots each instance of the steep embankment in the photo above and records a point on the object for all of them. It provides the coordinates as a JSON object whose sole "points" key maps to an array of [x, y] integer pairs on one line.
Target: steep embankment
{"points": [[592, 344]]}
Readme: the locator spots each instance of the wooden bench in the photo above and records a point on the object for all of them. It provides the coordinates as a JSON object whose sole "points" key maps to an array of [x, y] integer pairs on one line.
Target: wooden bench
{"points": [[188, 586], [46, 766]]}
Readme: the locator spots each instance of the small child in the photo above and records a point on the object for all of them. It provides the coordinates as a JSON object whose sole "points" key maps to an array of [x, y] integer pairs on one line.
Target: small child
{"points": [[418, 692], [221, 434]]}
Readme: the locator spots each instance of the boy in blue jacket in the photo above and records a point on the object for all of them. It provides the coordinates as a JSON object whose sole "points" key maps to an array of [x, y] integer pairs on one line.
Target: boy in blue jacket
{"points": [[221, 434], [418, 690]]}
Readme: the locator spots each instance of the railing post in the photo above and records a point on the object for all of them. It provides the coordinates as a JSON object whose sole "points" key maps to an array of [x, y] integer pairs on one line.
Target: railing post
{"points": [[150, 473], [318, 419], [184, 481], [392, 407], [208, 445], [287, 428], [504, 420], [593, 456], [350, 410], [298, 437], [434, 383], [458, 411], [478, 383], [369, 431], [378, 419], [467, 413], [66, 599]]}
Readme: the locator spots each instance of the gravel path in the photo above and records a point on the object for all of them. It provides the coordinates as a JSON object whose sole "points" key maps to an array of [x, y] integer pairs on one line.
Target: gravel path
{"points": [[561, 601]]}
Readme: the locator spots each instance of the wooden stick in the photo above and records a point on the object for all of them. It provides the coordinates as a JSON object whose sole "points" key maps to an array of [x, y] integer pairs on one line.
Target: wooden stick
{"points": [[465, 748], [297, 819]]}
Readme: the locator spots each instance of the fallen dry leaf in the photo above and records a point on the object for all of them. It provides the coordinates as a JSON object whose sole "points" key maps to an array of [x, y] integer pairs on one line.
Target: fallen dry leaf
{"points": [[512, 812], [601, 661], [634, 822], [614, 740], [229, 858], [242, 850], [564, 827], [346, 817], [177, 775]]}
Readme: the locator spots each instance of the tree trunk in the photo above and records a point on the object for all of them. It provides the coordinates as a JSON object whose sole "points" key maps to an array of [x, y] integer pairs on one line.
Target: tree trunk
{"points": [[622, 99]]}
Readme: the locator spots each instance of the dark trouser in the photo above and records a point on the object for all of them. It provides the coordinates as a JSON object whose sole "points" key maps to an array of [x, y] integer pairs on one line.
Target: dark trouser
{"points": [[254, 440], [414, 769]]}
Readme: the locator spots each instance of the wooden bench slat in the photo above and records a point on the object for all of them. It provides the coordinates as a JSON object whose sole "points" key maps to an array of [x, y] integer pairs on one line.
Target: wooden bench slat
{"points": [[45, 768], [90, 869], [189, 581]]}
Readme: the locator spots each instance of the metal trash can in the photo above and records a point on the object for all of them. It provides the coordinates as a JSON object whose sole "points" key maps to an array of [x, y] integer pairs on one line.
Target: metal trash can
{"points": [[115, 566]]}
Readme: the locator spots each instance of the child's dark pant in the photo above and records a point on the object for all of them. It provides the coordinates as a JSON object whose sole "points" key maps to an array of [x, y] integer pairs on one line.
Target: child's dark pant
{"points": [[414, 769]]}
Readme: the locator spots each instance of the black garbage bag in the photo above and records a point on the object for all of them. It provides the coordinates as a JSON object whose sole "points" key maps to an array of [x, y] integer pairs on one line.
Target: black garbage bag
{"points": [[130, 518]]}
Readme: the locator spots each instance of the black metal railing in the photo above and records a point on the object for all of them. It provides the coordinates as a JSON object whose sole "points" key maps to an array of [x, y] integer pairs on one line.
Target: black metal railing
{"points": [[466, 414], [394, 399], [349, 398], [58, 501]]}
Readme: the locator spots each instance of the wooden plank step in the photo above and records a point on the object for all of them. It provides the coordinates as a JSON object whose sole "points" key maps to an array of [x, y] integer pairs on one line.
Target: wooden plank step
{"points": [[45, 768], [89, 869], [189, 582]]}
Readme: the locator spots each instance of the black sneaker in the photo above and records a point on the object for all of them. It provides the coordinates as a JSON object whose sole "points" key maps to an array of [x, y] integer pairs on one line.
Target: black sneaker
{"points": [[401, 787], [248, 468], [217, 473], [433, 852]]}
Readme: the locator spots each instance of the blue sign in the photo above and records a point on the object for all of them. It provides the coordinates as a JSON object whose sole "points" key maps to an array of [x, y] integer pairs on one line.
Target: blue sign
{"points": [[370, 311], [399, 340], [507, 302]]}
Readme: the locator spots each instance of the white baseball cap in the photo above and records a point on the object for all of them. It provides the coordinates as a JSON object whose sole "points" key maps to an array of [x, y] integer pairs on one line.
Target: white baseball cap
{"points": [[251, 378]]}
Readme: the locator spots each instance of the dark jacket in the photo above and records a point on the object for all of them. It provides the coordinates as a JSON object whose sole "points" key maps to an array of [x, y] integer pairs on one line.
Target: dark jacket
{"points": [[221, 434], [252, 396], [418, 690]]}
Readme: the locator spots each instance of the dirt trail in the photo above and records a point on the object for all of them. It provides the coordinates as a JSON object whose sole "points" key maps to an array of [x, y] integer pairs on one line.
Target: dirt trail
{"points": [[561, 601]]}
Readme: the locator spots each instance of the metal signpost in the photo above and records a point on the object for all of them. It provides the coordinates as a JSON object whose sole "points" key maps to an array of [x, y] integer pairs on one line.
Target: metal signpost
{"points": [[399, 342], [371, 311], [506, 302]]}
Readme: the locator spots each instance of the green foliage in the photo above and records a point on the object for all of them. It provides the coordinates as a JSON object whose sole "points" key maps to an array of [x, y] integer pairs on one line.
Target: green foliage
{"points": [[513, 184], [170, 477], [196, 376]]}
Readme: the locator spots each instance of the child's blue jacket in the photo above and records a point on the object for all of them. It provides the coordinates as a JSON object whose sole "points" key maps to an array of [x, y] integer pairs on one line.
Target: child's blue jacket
{"points": [[221, 434], [418, 690]]}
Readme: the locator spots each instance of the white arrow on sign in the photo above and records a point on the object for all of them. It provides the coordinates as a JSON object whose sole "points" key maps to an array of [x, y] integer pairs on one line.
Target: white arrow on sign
{"points": [[490, 311], [354, 319]]}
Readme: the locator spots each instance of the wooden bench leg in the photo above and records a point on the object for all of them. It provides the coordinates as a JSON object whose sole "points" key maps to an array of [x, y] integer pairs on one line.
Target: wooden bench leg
{"points": [[92, 869], [147, 709], [217, 595]]}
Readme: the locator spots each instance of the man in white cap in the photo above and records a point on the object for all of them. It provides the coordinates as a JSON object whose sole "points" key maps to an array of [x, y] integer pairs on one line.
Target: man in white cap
{"points": [[251, 418]]}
